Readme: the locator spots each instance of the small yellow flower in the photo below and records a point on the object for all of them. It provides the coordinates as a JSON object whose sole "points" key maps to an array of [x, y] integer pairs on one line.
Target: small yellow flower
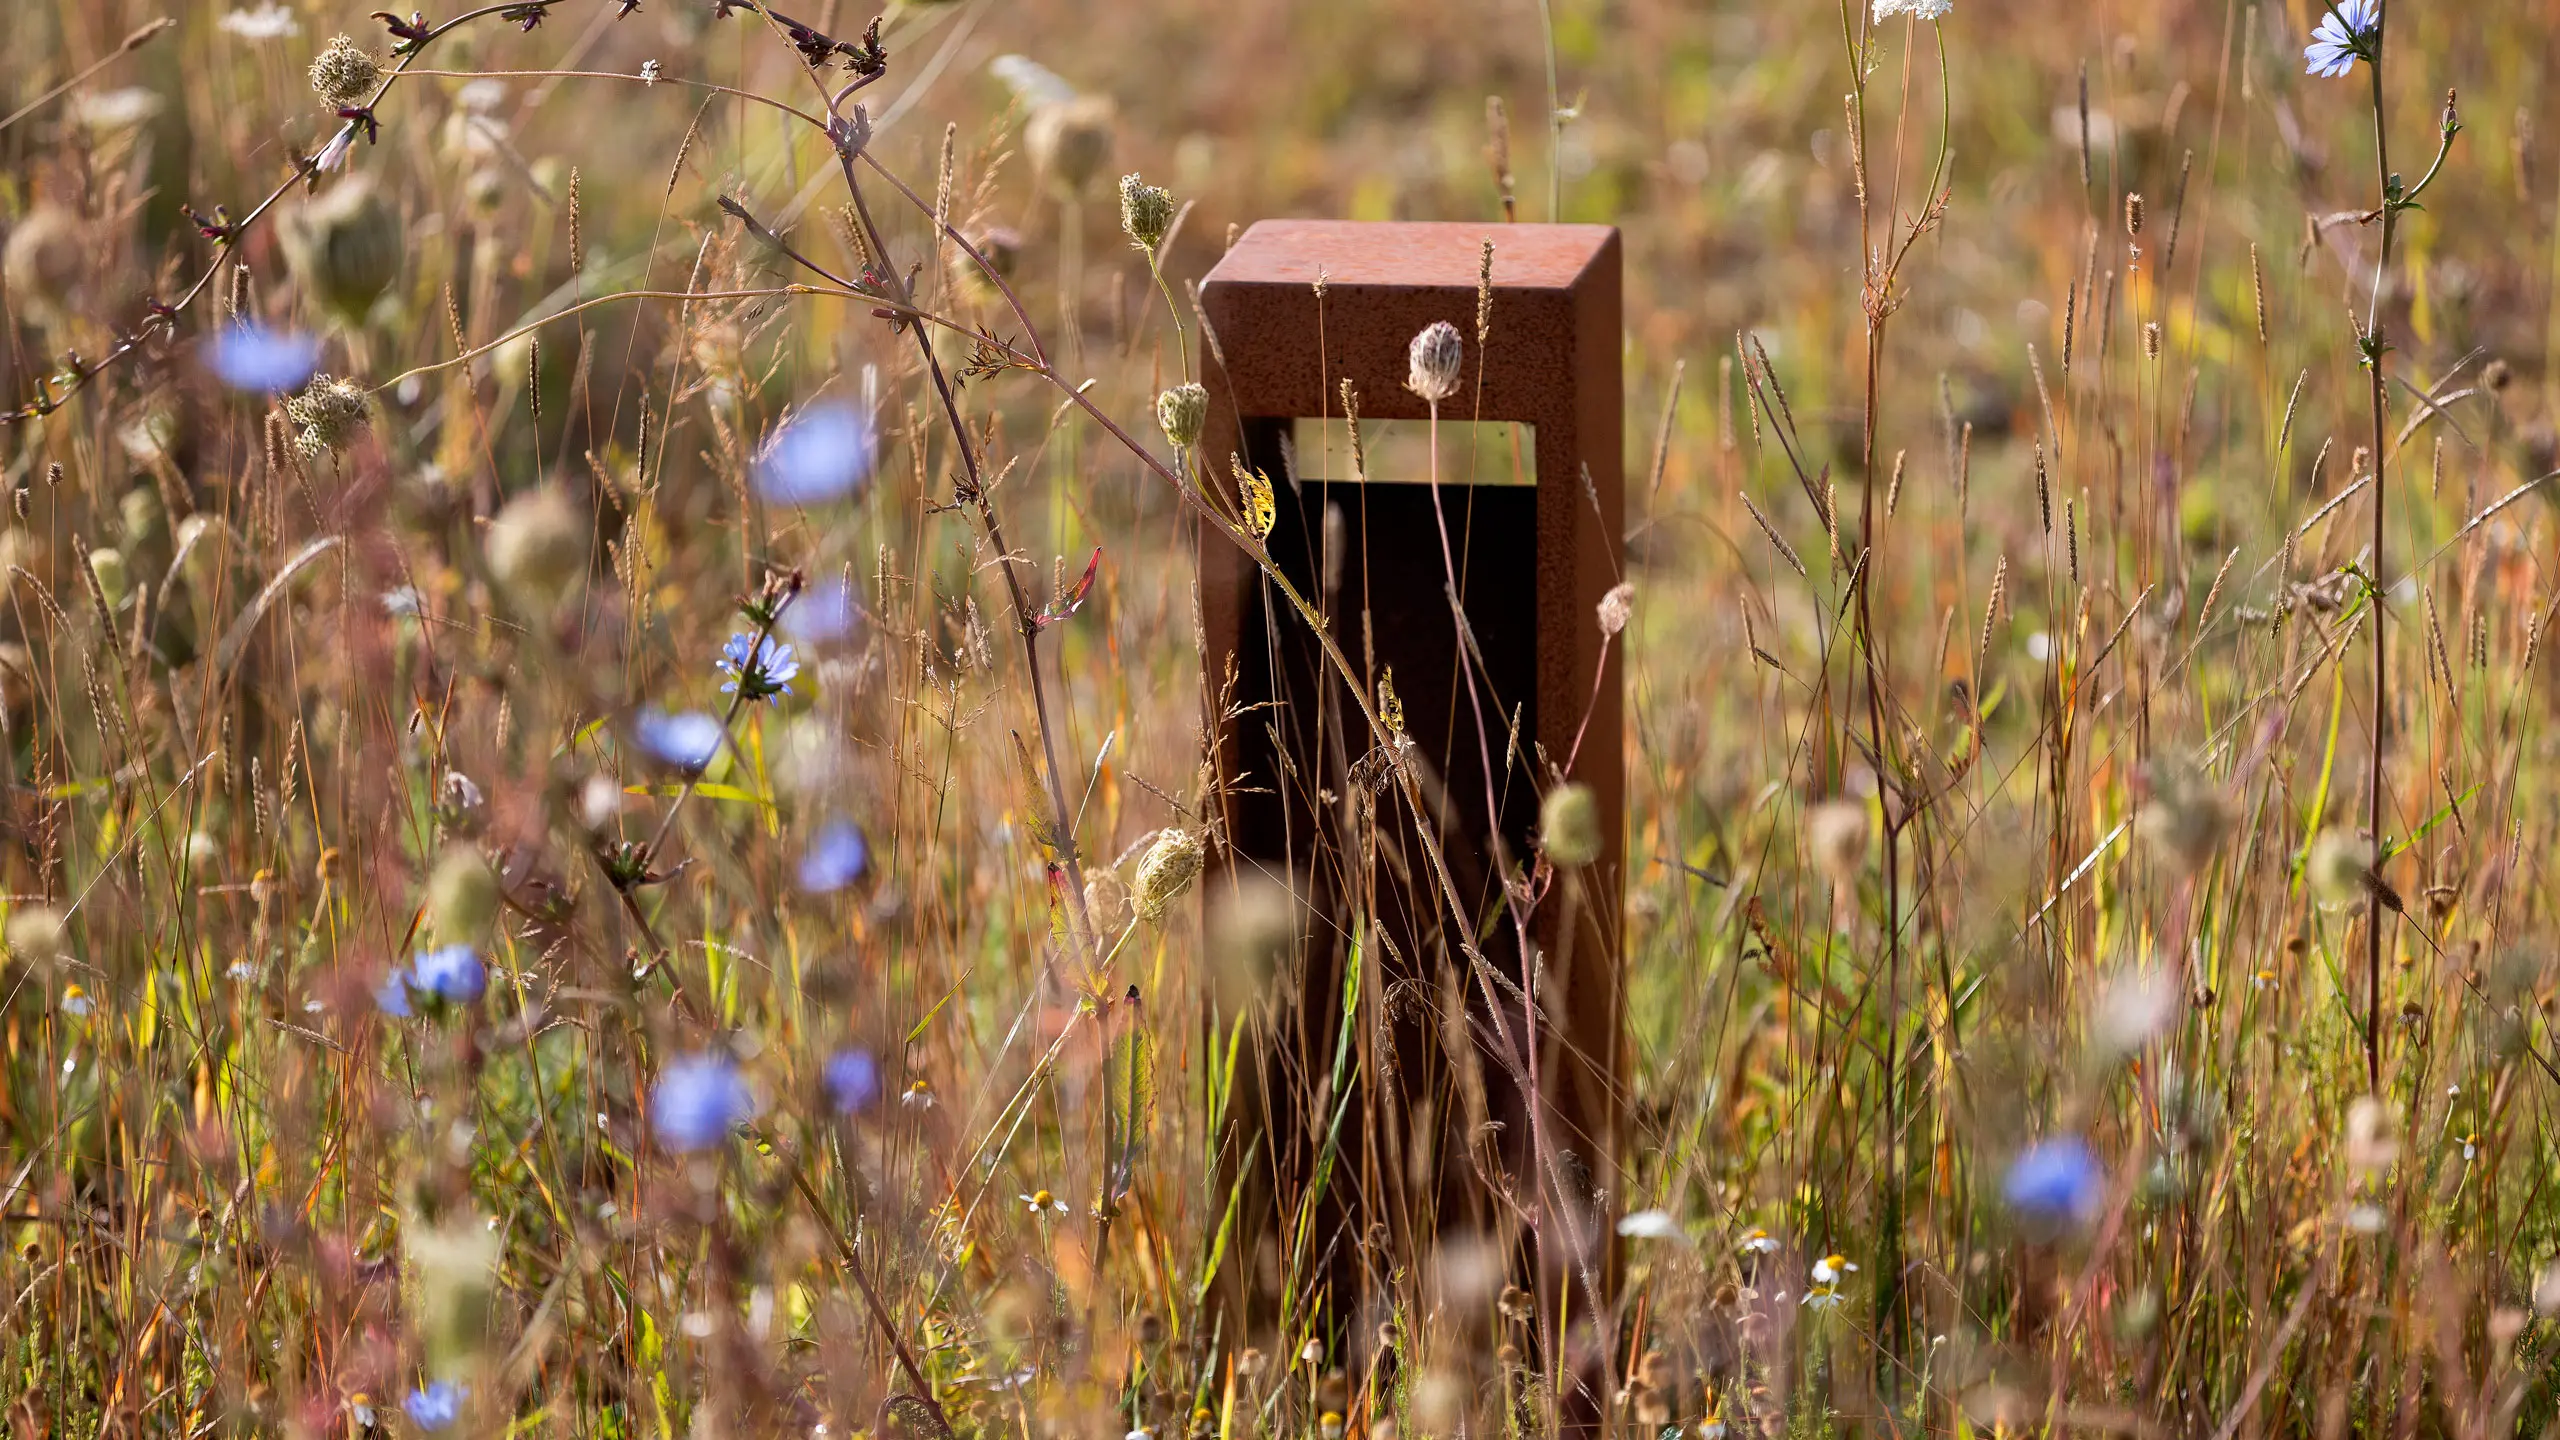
{"points": [[1042, 1202], [76, 1001], [1759, 1242], [918, 1096]]}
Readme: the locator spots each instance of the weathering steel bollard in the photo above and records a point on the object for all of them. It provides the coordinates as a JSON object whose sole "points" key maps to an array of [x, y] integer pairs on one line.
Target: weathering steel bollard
{"points": [[1432, 1115]]}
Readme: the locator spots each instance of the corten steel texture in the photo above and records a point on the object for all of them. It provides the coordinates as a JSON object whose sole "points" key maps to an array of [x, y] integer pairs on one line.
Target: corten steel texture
{"points": [[1534, 562]]}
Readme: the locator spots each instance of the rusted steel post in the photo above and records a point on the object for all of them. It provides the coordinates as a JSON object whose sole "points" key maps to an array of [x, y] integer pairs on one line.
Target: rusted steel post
{"points": [[1427, 1126]]}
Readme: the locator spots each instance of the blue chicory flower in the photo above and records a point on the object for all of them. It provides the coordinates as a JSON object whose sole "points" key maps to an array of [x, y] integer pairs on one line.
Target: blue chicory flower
{"points": [[451, 973], [699, 1100], [2339, 40], [824, 453], [258, 358], [758, 668], [436, 1405], [2055, 1181], [687, 739], [853, 1080], [837, 856]]}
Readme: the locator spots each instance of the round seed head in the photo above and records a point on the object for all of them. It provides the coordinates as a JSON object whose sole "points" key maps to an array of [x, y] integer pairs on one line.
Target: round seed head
{"points": [[115, 578], [1183, 411], [1070, 142], [462, 895], [2338, 865], [1433, 361], [328, 413], [1165, 873], [537, 547], [1837, 832], [1569, 826], [1146, 211], [34, 932], [345, 247], [46, 255], [344, 74]]}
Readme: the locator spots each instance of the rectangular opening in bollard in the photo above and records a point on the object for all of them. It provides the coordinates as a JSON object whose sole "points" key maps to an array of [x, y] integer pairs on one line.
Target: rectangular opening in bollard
{"points": [[1388, 1080], [1398, 452]]}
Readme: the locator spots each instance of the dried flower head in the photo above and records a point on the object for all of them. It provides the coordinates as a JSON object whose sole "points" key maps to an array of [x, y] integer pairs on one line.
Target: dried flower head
{"points": [[328, 414], [1166, 871], [1433, 360], [1183, 411], [1916, 9], [1617, 607], [345, 74], [1146, 212]]}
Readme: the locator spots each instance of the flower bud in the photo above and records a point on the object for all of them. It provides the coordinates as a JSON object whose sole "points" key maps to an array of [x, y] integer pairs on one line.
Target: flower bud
{"points": [[537, 547], [344, 75], [1183, 411], [1146, 211], [1166, 871], [462, 896], [1569, 826], [345, 247], [1433, 361]]}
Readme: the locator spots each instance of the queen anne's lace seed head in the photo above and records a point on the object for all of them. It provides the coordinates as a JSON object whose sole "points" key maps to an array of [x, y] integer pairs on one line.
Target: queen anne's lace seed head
{"points": [[1146, 211], [1166, 871], [329, 413], [1916, 9], [344, 74], [1183, 411]]}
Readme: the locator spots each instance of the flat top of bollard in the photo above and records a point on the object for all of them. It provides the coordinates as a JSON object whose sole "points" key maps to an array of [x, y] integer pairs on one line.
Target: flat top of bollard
{"points": [[1433, 253]]}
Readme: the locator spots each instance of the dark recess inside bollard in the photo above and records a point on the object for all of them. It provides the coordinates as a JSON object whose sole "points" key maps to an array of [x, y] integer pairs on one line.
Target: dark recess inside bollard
{"points": [[1428, 1121]]}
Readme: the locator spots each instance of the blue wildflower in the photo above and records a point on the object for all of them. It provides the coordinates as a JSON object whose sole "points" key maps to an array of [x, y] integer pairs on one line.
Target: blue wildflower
{"points": [[824, 453], [699, 1100], [825, 611], [836, 858], [2343, 36], [687, 740], [853, 1080], [2055, 1181], [393, 994], [435, 1406], [758, 668], [452, 973], [268, 361]]}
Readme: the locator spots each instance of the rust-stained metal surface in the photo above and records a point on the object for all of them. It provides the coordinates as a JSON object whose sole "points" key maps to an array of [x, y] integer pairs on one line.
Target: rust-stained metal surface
{"points": [[1533, 564]]}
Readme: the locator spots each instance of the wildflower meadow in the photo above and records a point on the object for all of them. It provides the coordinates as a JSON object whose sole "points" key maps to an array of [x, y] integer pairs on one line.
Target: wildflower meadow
{"points": [[634, 800]]}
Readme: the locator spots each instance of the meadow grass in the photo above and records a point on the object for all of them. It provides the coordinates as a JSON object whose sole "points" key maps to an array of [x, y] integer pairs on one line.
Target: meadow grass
{"points": [[2084, 654]]}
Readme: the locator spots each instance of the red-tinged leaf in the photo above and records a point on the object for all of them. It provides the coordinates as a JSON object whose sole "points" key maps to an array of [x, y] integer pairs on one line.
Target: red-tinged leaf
{"points": [[1069, 603]]}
